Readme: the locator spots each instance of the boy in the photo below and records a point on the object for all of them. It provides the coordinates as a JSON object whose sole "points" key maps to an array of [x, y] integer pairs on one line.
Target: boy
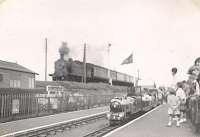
{"points": [[180, 93], [173, 109]]}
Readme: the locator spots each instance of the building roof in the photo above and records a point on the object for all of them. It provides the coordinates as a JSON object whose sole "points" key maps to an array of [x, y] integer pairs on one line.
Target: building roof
{"points": [[14, 67]]}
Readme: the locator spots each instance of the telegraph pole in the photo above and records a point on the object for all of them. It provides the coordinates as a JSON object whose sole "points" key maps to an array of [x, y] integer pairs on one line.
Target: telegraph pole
{"points": [[84, 64], [45, 59], [109, 77]]}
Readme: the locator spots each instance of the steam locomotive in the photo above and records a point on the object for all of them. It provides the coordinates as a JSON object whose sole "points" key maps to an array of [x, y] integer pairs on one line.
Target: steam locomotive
{"points": [[69, 70], [121, 109]]}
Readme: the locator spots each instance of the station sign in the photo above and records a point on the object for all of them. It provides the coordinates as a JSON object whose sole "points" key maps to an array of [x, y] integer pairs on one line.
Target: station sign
{"points": [[54, 91]]}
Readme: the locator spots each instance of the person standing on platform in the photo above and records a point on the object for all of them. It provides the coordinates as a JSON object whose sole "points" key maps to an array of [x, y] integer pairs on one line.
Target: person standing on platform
{"points": [[180, 93], [187, 89], [173, 81], [194, 77], [174, 78], [173, 107]]}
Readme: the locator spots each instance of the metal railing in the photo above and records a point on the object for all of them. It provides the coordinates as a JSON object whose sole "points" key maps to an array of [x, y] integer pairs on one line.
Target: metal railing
{"points": [[20, 104]]}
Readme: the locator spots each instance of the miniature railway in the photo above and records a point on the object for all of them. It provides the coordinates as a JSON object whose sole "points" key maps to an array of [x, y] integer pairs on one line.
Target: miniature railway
{"points": [[52, 129], [103, 131]]}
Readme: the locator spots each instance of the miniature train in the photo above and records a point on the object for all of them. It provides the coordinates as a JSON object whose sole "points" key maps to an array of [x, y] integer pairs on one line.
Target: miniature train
{"points": [[121, 109]]}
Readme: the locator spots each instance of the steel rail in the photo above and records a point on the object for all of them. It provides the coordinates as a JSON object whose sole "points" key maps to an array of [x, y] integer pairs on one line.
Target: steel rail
{"points": [[102, 131], [51, 129], [105, 130]]}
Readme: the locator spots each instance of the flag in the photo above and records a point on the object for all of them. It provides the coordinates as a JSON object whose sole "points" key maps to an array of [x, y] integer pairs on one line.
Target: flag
{"points": [[128, 60]]}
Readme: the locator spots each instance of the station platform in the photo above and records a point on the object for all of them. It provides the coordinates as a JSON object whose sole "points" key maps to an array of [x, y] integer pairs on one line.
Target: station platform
{"points": [[154, 124], [9, 128]]}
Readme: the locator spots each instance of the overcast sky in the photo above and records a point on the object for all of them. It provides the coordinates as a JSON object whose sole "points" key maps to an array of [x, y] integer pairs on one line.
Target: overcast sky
{"points": [[161, 34]]}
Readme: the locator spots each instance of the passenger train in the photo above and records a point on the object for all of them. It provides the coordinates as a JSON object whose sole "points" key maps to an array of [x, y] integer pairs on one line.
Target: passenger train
{"points": [[73, 71]]}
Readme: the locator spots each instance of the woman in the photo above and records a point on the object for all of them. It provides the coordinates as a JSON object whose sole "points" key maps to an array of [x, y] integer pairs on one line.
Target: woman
{"points": [[194, 77]]}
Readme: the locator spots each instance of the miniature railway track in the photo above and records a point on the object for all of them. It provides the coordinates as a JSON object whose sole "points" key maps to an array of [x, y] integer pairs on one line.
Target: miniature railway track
{"points": [[101, 132], [52, 129]]}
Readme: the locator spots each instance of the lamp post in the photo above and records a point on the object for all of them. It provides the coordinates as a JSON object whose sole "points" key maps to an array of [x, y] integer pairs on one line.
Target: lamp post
{"points": [[45, 59]]}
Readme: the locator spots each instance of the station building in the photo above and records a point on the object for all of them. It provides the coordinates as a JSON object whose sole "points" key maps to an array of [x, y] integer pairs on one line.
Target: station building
{"points": [[13, 75]]}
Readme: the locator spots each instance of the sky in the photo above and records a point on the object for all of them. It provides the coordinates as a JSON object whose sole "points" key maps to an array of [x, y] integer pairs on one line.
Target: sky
{"points": [[161, 34]]}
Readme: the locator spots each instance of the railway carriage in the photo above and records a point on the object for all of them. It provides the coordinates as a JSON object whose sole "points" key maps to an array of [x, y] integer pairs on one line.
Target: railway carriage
{"points": [[121, 77], [113, 75], [131, 79], [100, 73]]}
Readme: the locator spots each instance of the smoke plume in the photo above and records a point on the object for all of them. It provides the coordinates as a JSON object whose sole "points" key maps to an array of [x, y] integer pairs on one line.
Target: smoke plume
{"points": [[64, 49]]}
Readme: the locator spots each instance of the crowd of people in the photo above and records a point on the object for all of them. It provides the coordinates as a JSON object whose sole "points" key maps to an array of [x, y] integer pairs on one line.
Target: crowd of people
{"points": [[180, 92]]}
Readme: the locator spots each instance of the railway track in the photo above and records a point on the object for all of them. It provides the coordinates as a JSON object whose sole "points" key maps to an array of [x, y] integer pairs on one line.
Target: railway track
{"points": [[52, 129], [103, 131]]}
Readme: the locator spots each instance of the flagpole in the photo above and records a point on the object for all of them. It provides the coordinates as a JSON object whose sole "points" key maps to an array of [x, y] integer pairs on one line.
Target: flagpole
{"points": [[132, 69]]}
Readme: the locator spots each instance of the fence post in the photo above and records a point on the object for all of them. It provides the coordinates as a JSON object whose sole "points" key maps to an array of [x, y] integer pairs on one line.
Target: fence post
{"points": [[49, 103], [2, 106], [37, 106]]}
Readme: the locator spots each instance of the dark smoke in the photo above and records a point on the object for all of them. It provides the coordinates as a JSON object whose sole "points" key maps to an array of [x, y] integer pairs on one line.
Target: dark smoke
{"points": [[64, 49]]}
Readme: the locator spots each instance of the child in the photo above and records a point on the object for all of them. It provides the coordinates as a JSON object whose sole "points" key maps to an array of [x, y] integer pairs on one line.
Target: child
{"points": [[173, 110], [180, 93]]}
